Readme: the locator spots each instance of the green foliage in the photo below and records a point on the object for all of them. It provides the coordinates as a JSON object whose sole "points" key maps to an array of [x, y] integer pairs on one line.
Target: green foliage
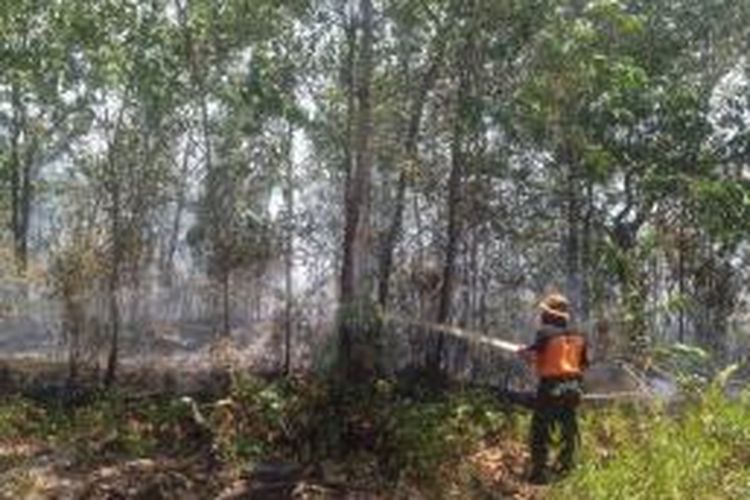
{"points": [[287, 419], [700, 454], [723, 207], [620, 95], [253, 424], [692, 366], [696, 450], [421, 440], [230, 237], [107, 427], [76, 267], [20, 418]]}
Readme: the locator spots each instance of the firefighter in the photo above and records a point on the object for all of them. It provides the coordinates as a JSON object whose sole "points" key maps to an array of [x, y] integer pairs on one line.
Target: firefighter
{"points": [[558, 356]]}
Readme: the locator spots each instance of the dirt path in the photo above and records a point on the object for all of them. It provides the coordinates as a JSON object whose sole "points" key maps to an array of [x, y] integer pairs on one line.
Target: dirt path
{"points": [[501, 469]]}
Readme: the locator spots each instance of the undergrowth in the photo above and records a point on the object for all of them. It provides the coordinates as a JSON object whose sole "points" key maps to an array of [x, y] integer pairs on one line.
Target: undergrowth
{"points": [[391, 441], [700, 451], [382, 438], [406, 439]]}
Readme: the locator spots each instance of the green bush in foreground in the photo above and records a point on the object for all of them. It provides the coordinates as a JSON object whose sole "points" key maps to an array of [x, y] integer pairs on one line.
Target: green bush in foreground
{"points": [[704, 452], [419, 439]]}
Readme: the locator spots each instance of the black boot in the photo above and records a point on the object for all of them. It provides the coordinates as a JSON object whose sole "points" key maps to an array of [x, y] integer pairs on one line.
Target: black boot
{"points": [[539, 475]]}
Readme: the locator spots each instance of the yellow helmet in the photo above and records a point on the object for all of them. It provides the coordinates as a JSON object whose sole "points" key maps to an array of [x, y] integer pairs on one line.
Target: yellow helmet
{"points": [[556, 304]]}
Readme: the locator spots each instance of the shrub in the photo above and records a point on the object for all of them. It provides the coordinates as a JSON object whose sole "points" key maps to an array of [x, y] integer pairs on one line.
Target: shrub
{"points": [[258, 419], [421, 439], [20, 418]]}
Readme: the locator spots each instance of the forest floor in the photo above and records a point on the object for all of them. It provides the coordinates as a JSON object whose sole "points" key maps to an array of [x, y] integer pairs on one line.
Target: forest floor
{"points": [[33, 471], [297, 438], [255, 438]]}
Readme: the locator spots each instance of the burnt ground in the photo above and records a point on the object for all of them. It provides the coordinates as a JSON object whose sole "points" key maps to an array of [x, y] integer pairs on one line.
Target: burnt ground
{"points": [[37, 468], [33, 472]]}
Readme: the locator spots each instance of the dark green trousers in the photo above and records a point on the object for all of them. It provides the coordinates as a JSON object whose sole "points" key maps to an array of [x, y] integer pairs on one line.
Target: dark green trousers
{"points": [[555, 409]]}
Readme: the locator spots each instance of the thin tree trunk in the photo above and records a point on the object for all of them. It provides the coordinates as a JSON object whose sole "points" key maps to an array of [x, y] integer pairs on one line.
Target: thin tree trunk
{"points": [[113, 186], [198, 80], [586, 236], [484, 290], [114, 281], [572, 239], [418, 227], [681, 284], [632, 279], [174, 237], [410, 154], [455, 185], [20, 181], [348, 80], [27, 192], [452, 236], [72, 324], [15, 177], [225, 301], [289, 252], [472, 312]]}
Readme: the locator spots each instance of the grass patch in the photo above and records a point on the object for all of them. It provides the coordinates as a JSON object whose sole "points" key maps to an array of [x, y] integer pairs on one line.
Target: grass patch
{"points": [[107, 427], [642, 454]]}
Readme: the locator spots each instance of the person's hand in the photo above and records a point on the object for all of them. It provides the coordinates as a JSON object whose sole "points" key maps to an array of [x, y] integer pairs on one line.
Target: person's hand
{"points": [[526, 354]]}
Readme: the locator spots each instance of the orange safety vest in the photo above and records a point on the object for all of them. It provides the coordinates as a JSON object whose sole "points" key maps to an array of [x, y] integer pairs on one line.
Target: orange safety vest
{"points": [[561, 356]]}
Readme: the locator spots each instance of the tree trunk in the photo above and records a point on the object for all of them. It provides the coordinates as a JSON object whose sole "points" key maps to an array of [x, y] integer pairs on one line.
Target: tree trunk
{"points": [[288, 251], [356, 339], [633, 282], [198, 79], [455, 186], [167, 267], [114, 280], [72, 316], [21, 186], [451, 247], [572, 239], [584, 312], [681, 283], [225, 303], [22, 233], [410, 155], [15, 176]]}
